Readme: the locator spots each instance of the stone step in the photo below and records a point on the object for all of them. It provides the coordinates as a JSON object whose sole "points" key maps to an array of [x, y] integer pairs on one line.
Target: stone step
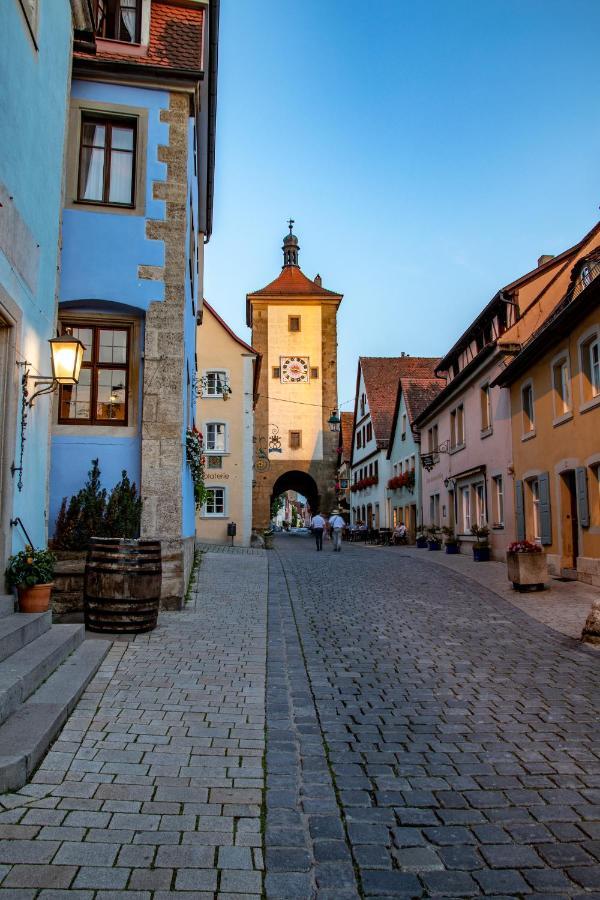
{"points": [[19, 629], [7, 605], [22, 673], [28, 732]]}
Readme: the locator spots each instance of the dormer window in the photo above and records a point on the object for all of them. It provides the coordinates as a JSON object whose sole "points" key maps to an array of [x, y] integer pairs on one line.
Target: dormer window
{"points": [[586, 275], [118, 20]]}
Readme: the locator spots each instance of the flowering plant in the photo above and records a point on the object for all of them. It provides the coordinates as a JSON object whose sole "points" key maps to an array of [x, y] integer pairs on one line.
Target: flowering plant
{"points": [[406, 479], [524, 547], [195, 460], [363, 483], [30, 567]]}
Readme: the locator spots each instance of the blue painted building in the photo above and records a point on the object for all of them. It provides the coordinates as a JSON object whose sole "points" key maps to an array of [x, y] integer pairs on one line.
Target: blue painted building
{"points": [[137, 213], [36, 41], [404, 486]]}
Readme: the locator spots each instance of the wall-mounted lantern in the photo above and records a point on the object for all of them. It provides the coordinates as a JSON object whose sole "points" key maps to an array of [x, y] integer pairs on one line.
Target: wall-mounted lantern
{"points": [[334, 421], [66, 356]]}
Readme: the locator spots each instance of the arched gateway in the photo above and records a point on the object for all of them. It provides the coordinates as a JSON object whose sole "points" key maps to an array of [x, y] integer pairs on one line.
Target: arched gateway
{"points": [[302, 483], [293, 321]]}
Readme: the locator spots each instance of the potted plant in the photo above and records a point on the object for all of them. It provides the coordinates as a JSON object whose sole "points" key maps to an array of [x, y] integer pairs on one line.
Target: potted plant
{"points": [[31, 572], [434, 538], [268, 538], [421, 537], [481, 547], [526, 566], [450, 540]]}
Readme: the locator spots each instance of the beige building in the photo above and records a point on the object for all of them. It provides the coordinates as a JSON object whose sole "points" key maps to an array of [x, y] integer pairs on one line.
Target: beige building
{"points": [[228, 371], [294, 327]]}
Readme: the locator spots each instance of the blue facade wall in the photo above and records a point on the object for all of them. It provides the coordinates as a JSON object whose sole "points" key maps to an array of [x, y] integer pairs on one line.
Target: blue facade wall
{"points": [[33, 107], [100, 258]]}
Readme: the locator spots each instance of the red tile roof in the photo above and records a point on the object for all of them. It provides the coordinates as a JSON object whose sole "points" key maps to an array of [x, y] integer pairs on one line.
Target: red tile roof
{"points": [[176, 40], [293, 281], [419, 393], [381, 376], [346, 429]]}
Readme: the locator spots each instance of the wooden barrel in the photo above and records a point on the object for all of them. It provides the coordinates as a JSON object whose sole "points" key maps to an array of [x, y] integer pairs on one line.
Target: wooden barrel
{"points": [[122, 585]]}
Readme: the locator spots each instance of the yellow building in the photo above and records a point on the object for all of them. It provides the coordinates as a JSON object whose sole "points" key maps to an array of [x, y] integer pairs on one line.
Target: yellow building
{"points": [[554, 384], [294, 327], [228, 371]]}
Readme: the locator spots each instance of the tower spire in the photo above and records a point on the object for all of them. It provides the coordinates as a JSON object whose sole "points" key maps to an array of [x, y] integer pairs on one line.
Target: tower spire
{"points": [[290, 247]]}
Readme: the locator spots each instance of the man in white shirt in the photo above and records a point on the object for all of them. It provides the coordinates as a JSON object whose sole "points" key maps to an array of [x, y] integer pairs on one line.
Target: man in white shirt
{"points": [[317, 523], [336, 526]]}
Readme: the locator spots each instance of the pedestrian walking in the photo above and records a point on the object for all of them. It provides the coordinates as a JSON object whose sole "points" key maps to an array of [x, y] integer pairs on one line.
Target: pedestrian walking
{"points": [[317, 524], [336, 527]]}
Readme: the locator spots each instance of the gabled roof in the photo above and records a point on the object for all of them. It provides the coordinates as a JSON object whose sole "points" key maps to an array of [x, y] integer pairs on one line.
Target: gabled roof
{"points": [[346, 430], [418, 394], [577, 303], [176, 40], [230, 332], [381, 375], [293, 281]]}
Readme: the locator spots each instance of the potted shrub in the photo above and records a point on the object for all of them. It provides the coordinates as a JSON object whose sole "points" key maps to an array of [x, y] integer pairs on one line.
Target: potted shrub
{"points": [[526, 566], [481, 547], [434, 538], [450, 540], [31, 572], [421, 537]]}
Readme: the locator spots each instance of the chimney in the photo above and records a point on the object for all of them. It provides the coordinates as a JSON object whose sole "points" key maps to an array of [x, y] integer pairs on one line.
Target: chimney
{"points": [[544, 258], [318, 280]]}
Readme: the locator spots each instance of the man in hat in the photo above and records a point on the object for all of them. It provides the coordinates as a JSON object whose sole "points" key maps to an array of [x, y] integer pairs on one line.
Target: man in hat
{"points": [[336, 527]]}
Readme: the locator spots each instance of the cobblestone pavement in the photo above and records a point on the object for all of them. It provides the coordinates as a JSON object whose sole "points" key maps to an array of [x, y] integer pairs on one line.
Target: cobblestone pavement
{"points": [[425, 738], [154, 787]]}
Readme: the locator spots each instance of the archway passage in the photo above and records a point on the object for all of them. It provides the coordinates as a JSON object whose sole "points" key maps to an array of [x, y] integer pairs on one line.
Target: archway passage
{"points": [[302, 483]]}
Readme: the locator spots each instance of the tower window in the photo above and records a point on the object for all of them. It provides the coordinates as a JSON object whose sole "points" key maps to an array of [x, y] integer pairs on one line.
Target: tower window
{"points": [[293, 323], [295, 440], [314, 372], [276, 371]]}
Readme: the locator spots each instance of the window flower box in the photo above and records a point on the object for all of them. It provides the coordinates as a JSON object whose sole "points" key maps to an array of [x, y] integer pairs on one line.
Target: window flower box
{"points": [[527, 567]]}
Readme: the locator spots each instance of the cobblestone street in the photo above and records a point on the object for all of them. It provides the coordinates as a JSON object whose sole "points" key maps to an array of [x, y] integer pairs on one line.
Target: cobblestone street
{"points": [[440, 741], [423, 738]]}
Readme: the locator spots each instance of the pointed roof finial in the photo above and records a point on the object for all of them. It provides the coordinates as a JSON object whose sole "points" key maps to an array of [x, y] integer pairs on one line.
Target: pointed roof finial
{"points": [[290, 247]]}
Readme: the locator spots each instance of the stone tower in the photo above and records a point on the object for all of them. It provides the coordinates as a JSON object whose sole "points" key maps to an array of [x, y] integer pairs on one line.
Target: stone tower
{"points": [[293, 321]]}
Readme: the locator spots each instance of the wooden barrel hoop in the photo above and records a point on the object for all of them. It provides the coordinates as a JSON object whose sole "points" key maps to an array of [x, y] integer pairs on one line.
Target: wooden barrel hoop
{"points": [[122, 585]]}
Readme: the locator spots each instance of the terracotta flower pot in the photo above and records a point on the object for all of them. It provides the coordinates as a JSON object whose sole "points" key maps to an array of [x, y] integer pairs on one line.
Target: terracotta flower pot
{"points": [[527, 570], [35, 599]]}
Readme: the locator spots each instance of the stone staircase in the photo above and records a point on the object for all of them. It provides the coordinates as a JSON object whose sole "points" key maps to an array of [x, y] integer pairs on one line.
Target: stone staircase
{"points": [[44, 669]]}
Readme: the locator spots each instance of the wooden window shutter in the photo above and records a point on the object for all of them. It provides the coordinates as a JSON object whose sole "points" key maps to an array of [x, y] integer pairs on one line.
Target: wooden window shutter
{"points": [[583, 506], [545, 517], [520, 510]]}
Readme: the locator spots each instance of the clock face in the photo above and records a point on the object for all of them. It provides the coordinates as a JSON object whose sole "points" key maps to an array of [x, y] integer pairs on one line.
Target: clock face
{"points": [[294, 369]]}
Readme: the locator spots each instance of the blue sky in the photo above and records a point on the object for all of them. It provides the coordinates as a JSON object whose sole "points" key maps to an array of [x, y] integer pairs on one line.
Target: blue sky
{"points": [[429, 153]]}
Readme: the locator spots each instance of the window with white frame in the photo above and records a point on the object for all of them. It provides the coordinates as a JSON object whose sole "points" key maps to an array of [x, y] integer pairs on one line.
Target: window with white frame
{"points": [[404, 427], [480, 517], [434, 509], [465, 500], [486, 407], [561, 380], [457, 426], [498, 489], [216, 437], [214, 504], [432, 438], [527, 409], [534, 487], [214, 383], [413, 461]]}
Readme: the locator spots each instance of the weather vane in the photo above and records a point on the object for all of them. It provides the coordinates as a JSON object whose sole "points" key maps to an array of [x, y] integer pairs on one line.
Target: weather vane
{"points": [[290, 224]]}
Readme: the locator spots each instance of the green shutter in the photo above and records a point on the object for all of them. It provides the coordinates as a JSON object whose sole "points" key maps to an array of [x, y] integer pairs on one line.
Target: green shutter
{"points": [[545, 518], [583, 506], [520, 510]]}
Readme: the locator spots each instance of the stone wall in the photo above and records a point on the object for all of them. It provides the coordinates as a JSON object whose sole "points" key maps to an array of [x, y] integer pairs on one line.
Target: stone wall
{"points": [[163, 403]]}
